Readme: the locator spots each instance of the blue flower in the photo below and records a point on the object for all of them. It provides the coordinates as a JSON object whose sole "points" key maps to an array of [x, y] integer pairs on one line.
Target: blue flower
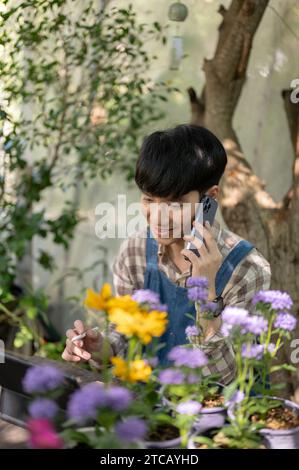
{"points": [[285, 321], [130, 430], [85, 403], [252, 351], [233, 402], [118, 398], [233, 317], [275, 298], [43, 408], [41, 379], [171, 376], [149, 297], [255, 324], [189, 357], [199, 281], [192, 330]]}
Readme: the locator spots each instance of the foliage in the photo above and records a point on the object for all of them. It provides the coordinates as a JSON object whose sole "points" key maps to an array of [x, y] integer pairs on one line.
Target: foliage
{"points": [[75, 98]]}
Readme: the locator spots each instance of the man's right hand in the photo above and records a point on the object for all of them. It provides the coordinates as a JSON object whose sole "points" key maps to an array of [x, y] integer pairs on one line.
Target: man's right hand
{"points": [[81, 350]]}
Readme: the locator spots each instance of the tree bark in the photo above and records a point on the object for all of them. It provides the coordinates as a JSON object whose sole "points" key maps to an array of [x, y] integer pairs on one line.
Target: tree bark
{"points": [[247, 208]]}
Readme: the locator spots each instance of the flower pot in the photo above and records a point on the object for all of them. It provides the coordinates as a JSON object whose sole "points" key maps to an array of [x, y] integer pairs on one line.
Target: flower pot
{"points": [[165, 437], [209, 418], [282, 438], [170, 444]]}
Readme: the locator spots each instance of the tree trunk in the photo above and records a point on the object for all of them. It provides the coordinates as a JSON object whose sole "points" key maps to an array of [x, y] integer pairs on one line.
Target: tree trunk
{"points": [[246, 206]]}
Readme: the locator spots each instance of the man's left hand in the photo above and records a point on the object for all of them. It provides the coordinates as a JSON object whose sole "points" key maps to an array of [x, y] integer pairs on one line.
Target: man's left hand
{"points": [[210, 259]]}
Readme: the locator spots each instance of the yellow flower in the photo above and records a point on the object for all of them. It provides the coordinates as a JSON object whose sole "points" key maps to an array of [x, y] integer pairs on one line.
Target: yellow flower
{"points": [[124, 321], [133, 371], [124, 302], [99, 300], [140, 323]]}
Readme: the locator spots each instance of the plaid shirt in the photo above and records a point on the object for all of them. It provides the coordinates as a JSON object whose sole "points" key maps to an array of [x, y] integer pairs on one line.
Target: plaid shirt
{"points": [[251, 275]]}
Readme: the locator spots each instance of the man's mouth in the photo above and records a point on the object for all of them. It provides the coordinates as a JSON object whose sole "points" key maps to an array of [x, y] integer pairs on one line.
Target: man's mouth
{"points": [[162, 232]]}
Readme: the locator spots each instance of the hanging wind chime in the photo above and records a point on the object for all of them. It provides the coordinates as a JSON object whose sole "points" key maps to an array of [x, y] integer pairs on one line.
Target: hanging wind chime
{"points": [[177, 12]]}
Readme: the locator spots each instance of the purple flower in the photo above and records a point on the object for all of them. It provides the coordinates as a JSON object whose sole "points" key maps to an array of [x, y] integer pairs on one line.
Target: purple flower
{"points": [[41, 379], [255, 324], [189, 408], [236, 398], [192, 331], [277, 299], [171, 376], [43, 408], [84, 404], [233, 317], [208, 307], [252, 351], [189, 357], [285, 321], [192, 379], [197, 294], [197, 289], [271, 348], [200, 281], [149, 297], [130, 430], [118, 398], [146, 295]]}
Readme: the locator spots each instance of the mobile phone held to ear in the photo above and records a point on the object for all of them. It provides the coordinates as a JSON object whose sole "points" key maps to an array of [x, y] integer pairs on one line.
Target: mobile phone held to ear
{"points": [[209, 208]]}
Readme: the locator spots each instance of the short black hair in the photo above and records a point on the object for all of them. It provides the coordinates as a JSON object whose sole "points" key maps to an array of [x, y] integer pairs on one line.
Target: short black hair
{"points": [[176, 161]]}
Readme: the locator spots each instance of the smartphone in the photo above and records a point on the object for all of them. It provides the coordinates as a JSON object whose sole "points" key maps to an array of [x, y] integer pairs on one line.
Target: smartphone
{"points": [[210, 206]]}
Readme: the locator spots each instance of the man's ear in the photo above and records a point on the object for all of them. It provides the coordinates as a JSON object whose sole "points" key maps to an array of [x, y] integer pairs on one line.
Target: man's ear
{"points": [[213, 191]]}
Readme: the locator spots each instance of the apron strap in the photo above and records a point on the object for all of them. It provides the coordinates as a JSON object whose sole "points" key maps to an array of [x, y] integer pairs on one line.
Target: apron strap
{"points": [[151, 249], [230, 262]]}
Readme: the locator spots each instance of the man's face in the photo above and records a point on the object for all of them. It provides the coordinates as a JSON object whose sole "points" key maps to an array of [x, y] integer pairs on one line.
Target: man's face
{"points": [[169, 219]]}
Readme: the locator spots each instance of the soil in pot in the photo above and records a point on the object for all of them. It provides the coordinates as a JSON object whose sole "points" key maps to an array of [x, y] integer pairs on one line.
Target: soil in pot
{"points": [[213, 401], [164, 436], [278, 418], [281, 423]]}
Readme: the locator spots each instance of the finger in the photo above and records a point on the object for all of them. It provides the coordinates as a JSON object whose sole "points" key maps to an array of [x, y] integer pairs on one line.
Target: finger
{"points": [[92, 334], [79, 326], [72, 348], [69, 357], [198, 244], [71, 334], [207, 235], [193, 258]]}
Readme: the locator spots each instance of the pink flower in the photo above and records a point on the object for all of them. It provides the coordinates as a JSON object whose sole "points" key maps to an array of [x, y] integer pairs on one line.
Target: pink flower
{"points": [[43, 435]]}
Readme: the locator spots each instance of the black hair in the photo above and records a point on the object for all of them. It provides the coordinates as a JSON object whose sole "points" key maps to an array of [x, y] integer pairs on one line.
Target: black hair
{"points": [[176, 161]]}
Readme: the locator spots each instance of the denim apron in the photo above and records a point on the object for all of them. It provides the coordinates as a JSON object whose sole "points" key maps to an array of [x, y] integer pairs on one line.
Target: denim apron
{"points": [[176, 296]]}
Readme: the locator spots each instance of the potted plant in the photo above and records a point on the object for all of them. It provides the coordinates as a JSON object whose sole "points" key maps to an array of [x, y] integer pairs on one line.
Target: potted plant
{"points": [[257, 336]]}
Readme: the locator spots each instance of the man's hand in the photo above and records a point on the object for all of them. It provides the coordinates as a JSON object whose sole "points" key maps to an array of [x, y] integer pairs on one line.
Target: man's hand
{"points": [[210, 258], [82, 350]]}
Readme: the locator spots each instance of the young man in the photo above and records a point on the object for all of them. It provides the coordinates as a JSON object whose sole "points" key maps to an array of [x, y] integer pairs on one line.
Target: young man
{"points": [[176, 167]]}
